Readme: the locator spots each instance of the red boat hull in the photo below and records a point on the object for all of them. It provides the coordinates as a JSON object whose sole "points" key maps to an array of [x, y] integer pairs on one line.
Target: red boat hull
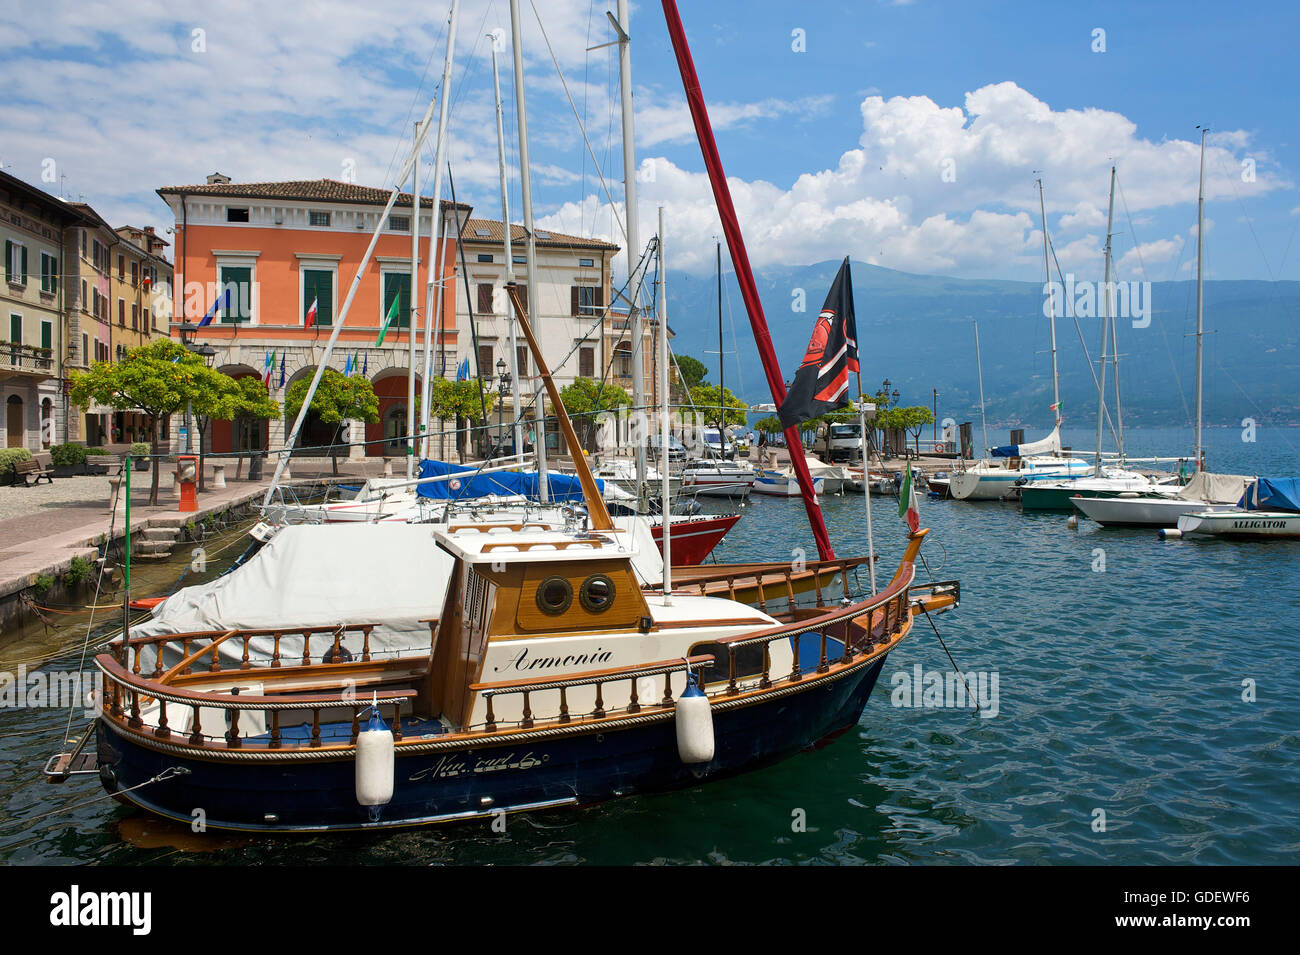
{"points": [[695, 537]]}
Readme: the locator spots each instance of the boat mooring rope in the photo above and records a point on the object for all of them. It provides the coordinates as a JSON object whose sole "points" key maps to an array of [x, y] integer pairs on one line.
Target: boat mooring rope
{"points": [[167, 773]]}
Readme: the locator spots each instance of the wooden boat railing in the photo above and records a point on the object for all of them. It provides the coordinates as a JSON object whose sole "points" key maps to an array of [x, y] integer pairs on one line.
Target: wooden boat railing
{"points": [[129, 693], [132, 649], [761, 583], [598, 679]]}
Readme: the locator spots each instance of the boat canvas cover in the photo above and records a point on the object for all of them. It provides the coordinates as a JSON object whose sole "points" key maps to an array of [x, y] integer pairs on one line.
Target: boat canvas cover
{"points": [[1048, 445], [1272, 494], [317, 575], [562, 487], [1215, 488]]}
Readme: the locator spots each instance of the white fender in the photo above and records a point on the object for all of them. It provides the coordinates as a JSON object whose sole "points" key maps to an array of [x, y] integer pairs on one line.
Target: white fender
{"points": [[694, 719], [375, 762]]}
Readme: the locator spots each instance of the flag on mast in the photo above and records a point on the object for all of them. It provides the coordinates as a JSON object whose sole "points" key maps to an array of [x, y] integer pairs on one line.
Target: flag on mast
{"points": [[212, 312], [907, 502], [267, 365], [392, 314], [310, 320], [822, 382], [281, 371]]}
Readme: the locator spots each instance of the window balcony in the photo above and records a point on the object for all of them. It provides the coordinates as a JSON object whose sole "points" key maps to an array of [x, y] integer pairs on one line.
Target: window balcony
{"points": [[25, 361]]}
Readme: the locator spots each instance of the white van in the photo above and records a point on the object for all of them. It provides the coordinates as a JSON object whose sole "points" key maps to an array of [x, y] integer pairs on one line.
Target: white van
{"points": [[839, 442]]}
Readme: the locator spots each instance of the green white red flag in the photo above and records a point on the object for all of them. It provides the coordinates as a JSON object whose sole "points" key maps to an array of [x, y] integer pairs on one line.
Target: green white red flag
{"points": [[907, 502]]}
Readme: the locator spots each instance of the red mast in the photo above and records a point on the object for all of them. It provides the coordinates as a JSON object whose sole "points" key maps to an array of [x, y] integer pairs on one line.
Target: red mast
{"points": [[744, 274]]}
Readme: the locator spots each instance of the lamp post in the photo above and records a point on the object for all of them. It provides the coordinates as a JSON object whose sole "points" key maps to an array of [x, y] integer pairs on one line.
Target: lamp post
{"points": [[504, 382]]}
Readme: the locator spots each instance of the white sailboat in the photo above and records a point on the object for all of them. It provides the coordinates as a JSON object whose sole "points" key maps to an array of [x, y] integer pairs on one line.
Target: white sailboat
{"points": [[1162, 506]]}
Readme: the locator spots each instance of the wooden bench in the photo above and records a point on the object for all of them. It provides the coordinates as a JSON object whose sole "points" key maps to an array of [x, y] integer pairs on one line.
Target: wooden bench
{"points": [[40, 466], [104, 464]]}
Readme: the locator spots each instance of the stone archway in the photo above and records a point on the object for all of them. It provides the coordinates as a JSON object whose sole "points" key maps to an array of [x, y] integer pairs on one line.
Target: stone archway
{"points": [[228, 437], [385, 436]]}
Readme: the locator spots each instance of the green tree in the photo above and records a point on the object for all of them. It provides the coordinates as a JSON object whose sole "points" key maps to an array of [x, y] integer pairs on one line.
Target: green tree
{"points": [[247, 401], [769, 425], [462, 401], [337, 398], [155, 379], [585, 399], [707, 400], [693, 371], [913, 419]]}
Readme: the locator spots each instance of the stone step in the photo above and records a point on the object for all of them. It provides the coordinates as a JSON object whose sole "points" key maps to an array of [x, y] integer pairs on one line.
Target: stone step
{"points": [[161, 533], [164, 555], [153, 547]]}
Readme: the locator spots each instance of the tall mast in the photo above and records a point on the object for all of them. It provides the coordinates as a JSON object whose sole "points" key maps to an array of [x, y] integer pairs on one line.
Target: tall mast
{"points": [[510, 258], [1107, 328], [633, 243], [1109, 292], [722, 367], [979, 370], [1200, 297], [411, 328], [1051, 305], [530, 238], [436, 232], [744, 273], [666, 501]]}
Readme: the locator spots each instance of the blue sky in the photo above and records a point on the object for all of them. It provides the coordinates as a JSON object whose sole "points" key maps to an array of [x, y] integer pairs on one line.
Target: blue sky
{"points": [[905, 134]]}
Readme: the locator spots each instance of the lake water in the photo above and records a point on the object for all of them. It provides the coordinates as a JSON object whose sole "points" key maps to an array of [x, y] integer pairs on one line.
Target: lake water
{"points": [[1121, 663]]}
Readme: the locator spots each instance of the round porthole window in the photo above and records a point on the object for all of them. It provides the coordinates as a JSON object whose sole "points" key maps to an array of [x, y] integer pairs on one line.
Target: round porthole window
{"points": [[554, 595], [597, 593]]}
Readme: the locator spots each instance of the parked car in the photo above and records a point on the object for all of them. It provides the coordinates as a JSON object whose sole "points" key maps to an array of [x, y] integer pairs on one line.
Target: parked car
{"points": [[676, 450]]}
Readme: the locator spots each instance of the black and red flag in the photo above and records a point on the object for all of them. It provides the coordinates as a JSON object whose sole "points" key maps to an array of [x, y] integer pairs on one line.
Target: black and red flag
{"points": [[822, 382]]}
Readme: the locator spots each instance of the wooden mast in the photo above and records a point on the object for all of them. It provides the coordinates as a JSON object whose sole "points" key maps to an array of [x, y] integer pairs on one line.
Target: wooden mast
{"points": [[600, 520]]}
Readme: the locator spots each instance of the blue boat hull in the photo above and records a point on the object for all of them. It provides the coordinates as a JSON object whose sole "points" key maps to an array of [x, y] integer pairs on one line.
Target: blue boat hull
{"points": [[582, 768]]}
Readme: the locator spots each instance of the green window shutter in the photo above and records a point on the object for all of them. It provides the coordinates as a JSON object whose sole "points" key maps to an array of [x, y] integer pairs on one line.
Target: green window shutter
{"points": [[16, 329], [239, 280], [318, 287], [397, 284], [47, 335]]}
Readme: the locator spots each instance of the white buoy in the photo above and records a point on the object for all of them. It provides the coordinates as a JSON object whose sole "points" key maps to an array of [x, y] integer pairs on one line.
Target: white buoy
{"points": [[1073, 522], [694, 719], [1170, 533], [375, 764]]}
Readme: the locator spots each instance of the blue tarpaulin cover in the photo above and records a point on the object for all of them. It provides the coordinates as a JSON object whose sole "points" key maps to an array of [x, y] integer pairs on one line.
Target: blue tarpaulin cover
{"points": [[1272, 494], [563, 487], [1006, 451]]}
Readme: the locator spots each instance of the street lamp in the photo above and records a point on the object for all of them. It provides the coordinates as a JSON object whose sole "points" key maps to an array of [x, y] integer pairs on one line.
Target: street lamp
{"points": [[504, 381]]}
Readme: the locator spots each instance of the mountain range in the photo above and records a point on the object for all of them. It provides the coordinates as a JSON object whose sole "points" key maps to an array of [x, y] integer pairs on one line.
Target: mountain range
{"points": [[918, 332]]}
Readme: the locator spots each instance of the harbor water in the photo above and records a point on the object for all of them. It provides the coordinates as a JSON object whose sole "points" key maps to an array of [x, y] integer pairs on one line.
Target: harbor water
{"points": [[1137, 706]]}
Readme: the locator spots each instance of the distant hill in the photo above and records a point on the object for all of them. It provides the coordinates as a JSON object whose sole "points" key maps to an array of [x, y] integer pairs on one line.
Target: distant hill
{"points": [[916, 330]]}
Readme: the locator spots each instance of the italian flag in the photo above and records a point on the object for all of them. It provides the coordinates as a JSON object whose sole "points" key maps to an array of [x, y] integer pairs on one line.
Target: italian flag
{"points": [[392, 314], [267, 368], [907, 502], [311, 314]]}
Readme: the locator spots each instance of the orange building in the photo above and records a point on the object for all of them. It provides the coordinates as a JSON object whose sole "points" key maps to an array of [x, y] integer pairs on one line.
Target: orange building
{"points": [[279, 247]]}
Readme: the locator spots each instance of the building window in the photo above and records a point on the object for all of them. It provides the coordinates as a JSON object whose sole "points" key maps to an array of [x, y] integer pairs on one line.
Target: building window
{"points": [[121, 312], [318, 287], [399, 223], [485, 360], [85, 349], [83, 243], [397, 285], [584, 299], [521, 360], [15, 263], [49, 273], [587, 263], [15, 332], [485, 298], [485, 256], [318, 218], [519, 259], [623, 360], [83, 295], [121, 268], [135, 316], [47, 334], [236, 215], [238, 281], [135, 274], [522, 292], [586, 363]]}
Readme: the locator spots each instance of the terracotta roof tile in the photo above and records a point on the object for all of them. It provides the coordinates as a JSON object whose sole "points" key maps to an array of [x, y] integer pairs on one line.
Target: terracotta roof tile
{"points": [[545, 237], [317, 190]]}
